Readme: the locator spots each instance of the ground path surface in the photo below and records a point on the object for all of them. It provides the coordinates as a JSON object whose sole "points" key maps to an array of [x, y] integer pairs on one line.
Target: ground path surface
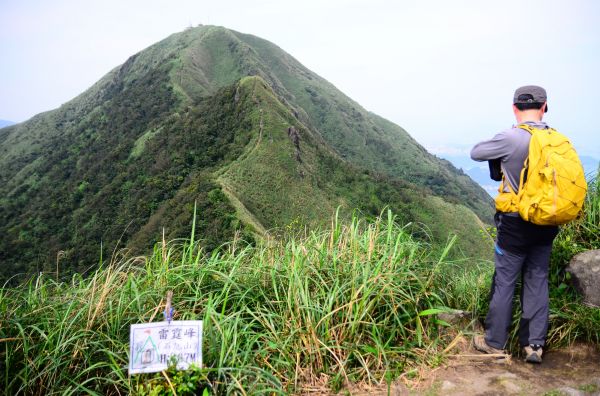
{"points": [[568, 371]]}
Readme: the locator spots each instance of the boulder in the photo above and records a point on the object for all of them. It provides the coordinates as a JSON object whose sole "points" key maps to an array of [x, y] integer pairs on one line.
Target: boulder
{"points": [[585, 273]]}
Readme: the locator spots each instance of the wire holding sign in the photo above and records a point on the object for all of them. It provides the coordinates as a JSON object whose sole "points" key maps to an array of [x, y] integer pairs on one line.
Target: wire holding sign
{"points": [[153, 346]]}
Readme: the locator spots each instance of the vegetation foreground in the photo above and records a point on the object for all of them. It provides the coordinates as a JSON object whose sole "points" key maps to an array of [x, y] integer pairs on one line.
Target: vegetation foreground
{"points": [[355, 303]]}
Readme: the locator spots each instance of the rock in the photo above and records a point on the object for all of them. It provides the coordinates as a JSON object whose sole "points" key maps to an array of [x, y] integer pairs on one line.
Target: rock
{"points": [[463, 320], [448, 386], [565, 390], [585, 272], [455, 316], [295, 138]]}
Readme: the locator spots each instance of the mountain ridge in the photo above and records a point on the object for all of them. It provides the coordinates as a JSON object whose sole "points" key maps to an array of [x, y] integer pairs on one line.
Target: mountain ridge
{"points": [[199, 119]]}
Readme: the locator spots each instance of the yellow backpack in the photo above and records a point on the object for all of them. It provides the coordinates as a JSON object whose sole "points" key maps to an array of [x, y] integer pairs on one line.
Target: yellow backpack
{"points": [[554, 189]]}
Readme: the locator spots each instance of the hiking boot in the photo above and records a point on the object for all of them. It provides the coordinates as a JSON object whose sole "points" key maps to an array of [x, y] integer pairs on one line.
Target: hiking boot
{"points": [[533, 353], [482, 346]]}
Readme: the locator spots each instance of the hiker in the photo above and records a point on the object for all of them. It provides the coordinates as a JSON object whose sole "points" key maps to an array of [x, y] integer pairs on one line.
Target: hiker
{"points": [[522, 247]]}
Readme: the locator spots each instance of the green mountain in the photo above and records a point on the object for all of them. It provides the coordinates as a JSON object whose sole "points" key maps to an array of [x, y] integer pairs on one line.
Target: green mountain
{"points": [[223, 121]]}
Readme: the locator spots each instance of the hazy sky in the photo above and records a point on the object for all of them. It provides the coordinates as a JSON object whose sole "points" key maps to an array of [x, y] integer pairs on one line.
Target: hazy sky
{"points": [[444, 70]]}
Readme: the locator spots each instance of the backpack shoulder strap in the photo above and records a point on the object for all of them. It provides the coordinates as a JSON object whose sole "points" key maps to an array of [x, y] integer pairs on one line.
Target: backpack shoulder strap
{"points": [[525, 169], [531, 129], [526, 127]]}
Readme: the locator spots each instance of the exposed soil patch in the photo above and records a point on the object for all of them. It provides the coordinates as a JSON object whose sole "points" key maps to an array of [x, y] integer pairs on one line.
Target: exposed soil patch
{"points": [[569, 371]]}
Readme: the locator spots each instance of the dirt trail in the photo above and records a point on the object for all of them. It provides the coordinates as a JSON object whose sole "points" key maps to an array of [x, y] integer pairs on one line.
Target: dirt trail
{"points": [[569, 371]]}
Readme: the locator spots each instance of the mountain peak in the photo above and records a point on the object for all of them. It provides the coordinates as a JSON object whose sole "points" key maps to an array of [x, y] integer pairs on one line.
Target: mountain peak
{"points": [[224, 121]]}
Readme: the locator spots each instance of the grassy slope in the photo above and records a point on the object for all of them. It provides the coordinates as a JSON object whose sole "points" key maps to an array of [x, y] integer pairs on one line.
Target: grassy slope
{"points": [[311, 183], [276, 199], [116, 167]]}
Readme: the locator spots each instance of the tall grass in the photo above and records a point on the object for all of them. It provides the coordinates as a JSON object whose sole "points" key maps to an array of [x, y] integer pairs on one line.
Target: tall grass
{"points": [[584, 233], [353, 303], [571, 319]]}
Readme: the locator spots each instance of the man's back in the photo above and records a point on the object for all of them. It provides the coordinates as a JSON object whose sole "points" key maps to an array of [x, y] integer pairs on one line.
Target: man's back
{"points": [[510, 145]]}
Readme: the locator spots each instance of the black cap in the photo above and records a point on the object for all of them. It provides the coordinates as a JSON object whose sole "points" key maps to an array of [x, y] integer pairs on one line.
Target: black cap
{"points": [[530, 94]]}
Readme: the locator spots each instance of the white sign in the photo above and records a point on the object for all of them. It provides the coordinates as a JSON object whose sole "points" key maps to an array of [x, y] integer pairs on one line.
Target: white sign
{"points": [[152, 346]]}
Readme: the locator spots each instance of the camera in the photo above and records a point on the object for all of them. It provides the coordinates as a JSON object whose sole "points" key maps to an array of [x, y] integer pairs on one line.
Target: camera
{"points": [[495, 169]]}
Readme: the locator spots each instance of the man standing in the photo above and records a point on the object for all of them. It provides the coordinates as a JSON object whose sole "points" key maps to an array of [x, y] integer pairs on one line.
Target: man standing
{"points": [[522, 248]]}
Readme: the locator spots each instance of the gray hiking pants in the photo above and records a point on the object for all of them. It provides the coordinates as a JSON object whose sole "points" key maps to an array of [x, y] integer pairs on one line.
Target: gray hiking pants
{"points": [[522, 250]]}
